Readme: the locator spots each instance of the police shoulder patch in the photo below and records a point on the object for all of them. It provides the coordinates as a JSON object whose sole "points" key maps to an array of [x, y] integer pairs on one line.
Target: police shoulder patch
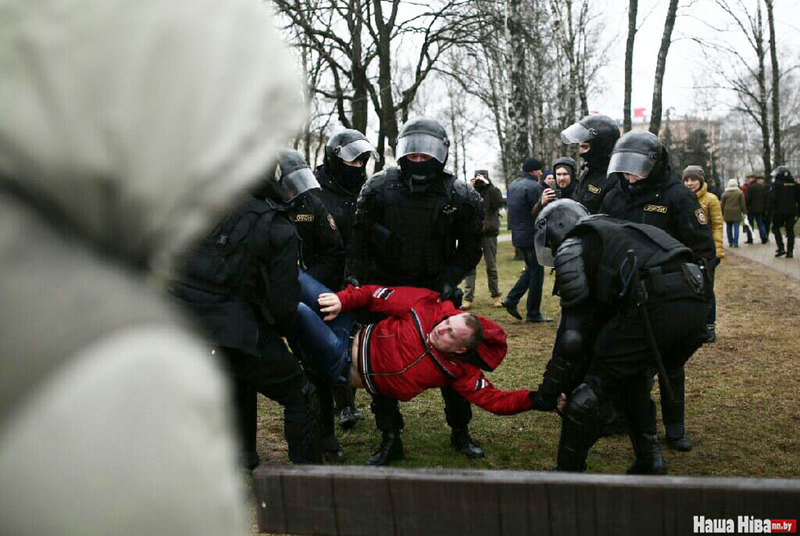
{"points": [[701, 216], [331, 222], [655, 208], [594, 189]]}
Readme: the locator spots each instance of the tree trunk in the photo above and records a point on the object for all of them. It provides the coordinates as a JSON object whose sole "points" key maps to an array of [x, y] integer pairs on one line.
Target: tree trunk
{"points": [[762, 92], [666, 40], [776, 94], [360, 104], [518, 112], [633, 7], [388, 119]]}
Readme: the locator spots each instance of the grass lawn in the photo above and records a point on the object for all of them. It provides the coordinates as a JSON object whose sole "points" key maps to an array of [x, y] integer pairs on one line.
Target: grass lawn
{"points": [[743, 392]]}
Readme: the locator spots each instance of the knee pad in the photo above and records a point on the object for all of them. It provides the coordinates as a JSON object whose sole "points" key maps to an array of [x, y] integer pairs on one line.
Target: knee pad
{"points": [[583, 406]]}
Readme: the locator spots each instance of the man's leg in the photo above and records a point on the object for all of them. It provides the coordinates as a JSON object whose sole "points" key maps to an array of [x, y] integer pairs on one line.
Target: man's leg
{"points": [[641, 413], [777, 221], [762, 228], [790, 221], [245, 405], [673, 411], [587, 409], [458, 413], [748, 229], [517, 291], [345, 399], [489, 244], [469, 290], [389, 421], [535, 284]]}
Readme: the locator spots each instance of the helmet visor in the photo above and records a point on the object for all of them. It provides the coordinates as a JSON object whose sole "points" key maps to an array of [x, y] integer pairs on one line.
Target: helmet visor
{"points": [[629, 162], [355, 149], [577, 133], [420, 142], [544, 254], [295, 183]]}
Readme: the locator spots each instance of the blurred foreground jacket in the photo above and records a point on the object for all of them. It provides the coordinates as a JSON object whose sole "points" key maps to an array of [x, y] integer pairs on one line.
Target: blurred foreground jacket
{"points": [[127, 127]]}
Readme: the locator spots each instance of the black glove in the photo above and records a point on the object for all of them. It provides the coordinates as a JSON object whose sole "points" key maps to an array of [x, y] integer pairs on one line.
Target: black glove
{"points": [[452, 293], [540, 403], [351, 280]]}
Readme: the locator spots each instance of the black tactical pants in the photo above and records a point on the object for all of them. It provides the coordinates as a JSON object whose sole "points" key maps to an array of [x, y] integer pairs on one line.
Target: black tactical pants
{"points": [[278, 376], [388, 418]]}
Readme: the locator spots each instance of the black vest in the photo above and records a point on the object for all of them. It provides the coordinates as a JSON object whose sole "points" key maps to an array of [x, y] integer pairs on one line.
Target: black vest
{"points": [[655, 251], [415, 240]]}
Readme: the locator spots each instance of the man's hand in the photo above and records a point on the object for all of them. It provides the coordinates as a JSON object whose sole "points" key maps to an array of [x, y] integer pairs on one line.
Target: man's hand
{"points": [[448, 292], [548, 195], [561, 404], [330, 305]]}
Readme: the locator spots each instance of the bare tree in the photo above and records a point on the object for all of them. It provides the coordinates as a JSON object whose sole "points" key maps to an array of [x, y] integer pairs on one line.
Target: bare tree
{"points": [[776, 86], [518, 110], [633, 7], [661, 64]]}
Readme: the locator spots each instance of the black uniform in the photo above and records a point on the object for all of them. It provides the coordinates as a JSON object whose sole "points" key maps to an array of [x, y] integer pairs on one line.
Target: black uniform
{"points": [[784, 206], [602, 353], [340, 202], [430, 238], [241, 283], [662, 201], [322, 251]]}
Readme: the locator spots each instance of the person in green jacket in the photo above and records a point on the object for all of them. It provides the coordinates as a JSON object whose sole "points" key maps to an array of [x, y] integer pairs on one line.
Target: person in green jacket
{"points": [[733, 206]]}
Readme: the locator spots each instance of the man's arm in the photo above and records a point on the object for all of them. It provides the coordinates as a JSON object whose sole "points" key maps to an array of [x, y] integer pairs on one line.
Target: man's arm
{"points": [[467, 231], [474, 386], [392, 301], [358, 260], [329, 259]]}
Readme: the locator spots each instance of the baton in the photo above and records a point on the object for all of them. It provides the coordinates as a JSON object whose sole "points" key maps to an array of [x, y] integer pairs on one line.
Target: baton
{"points": [[640, 296]]}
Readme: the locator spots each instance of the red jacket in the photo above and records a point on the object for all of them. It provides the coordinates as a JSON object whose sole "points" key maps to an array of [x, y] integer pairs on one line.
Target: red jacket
{"points": [[396, 361]]}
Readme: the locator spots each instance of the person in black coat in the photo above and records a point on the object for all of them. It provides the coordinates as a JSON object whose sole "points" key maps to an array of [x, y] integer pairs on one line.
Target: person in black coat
{"points": [[416, 225], [646, 191], [756, 201], [784, 205], [596, 135], [524, 194], [241, 284]]}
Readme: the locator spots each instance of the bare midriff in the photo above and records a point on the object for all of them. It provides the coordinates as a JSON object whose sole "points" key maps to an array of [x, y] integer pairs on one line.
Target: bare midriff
{"points": [[355, 376]]}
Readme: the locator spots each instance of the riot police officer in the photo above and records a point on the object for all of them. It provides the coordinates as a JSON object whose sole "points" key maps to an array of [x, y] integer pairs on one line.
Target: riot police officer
{"points": [[632, 302], [784, 205], [416, 225], [646, 191], [596, 135], [241, 283], [341, 176]]}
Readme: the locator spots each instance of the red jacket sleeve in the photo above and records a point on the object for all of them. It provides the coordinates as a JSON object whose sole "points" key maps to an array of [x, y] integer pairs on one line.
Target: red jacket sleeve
{"points": [[474, 386], [392, 301]]}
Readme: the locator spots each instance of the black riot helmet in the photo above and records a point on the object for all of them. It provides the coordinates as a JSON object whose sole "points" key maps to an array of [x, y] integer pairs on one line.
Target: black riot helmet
{"points": [[782, 173], [599, 131], [348, 145], [422, 135], [552, 225], [292, 176], [639, 152]]}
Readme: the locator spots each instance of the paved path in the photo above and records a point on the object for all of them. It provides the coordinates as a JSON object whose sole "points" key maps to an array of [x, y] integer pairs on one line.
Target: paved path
{"points": [[765, 254], [757, 252]]}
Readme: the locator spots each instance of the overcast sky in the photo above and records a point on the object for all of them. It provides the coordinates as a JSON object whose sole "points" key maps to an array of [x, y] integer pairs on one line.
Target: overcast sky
{"points": [[685, 62]]}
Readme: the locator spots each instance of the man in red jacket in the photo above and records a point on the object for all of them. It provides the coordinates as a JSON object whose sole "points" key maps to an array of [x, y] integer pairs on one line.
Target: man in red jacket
{"points": [[423, 343]]}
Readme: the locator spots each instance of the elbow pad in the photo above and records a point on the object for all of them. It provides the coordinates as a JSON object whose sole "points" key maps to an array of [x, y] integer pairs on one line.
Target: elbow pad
{"points": [[573, 285]]}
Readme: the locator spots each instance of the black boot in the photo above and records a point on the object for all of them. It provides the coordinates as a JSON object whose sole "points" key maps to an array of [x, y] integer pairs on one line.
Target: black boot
{"points": [[462, 441], [349, 416], [332, 452], [390, 449], [649, 460]]}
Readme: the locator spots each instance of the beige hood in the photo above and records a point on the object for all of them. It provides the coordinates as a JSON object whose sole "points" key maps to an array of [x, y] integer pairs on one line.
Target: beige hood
{"points": [[140, 120]]}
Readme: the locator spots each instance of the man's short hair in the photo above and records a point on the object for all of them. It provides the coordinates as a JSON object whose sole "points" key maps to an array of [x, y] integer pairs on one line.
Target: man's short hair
{"points": [[472, 322]]}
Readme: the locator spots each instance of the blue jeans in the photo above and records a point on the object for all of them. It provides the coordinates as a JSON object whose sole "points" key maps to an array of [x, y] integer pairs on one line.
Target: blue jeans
{"points": [[530, 281], [733, 233], [325, 346], [758, 219]]}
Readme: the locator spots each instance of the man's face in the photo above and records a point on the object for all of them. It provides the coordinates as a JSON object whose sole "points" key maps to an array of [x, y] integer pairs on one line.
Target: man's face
{"points": [[584, 147], [449, 334], [633, 179], [562, 177], [536, 174], [354, 163], [418, 157]]}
